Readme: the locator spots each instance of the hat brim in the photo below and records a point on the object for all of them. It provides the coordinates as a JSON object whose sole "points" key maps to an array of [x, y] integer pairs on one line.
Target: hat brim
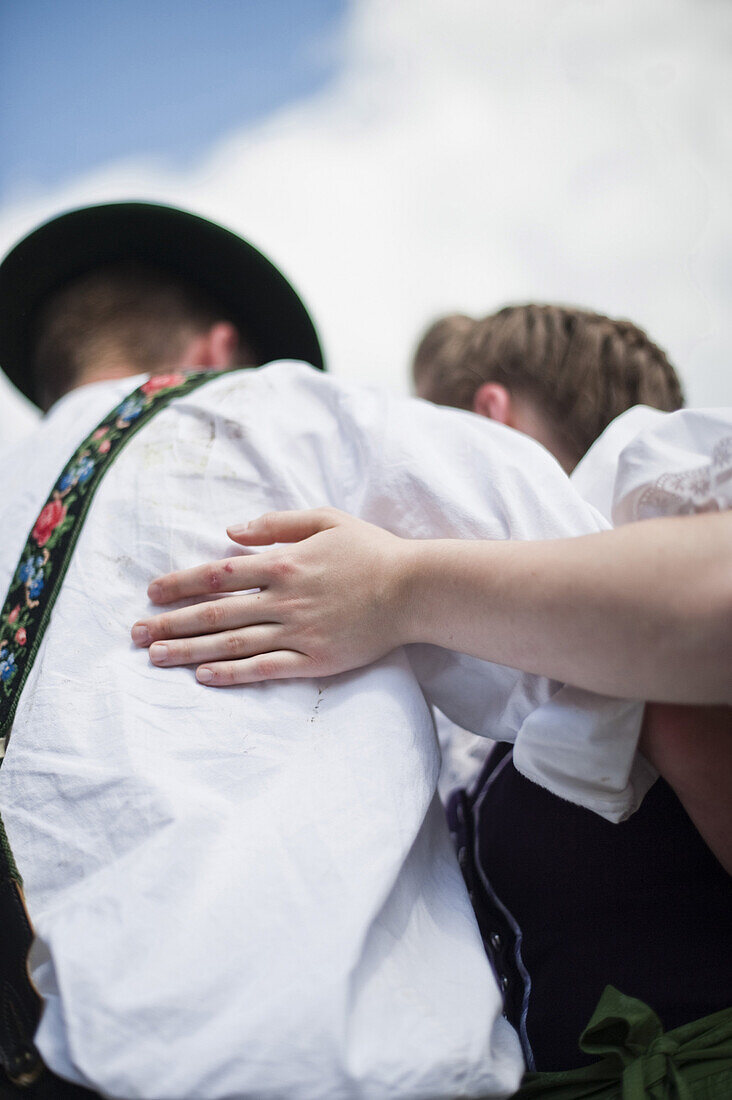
{"points": [[250, 290]]}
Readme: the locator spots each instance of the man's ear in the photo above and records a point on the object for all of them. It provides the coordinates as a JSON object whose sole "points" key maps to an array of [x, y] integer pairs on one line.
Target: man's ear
{"points": [[223, 340], [494, 401], [216, 348]]}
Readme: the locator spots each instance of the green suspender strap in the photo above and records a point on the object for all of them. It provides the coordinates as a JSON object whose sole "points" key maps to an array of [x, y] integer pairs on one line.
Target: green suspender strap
{"points": [[23, 620], [638, 1061]]}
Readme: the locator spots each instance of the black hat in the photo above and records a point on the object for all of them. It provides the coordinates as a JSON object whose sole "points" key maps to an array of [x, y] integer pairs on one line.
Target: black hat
{"points": [[250, 290]]}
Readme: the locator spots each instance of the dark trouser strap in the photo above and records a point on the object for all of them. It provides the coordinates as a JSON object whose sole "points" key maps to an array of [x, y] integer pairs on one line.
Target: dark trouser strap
{"points": [[24, 1075], [20, 1005], [47, 1087]]}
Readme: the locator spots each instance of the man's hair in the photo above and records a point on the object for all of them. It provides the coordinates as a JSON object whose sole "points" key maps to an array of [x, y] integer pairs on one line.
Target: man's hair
{"points": [[131, 313], [580, 369]]}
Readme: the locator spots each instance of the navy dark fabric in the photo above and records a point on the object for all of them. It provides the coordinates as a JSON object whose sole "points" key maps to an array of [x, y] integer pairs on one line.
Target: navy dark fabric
{"points": [[568, 903], [48, 1087]]}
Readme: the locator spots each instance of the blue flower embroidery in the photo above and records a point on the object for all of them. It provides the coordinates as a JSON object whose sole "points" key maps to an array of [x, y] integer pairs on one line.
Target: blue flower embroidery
{"points": [[84, 469], [130, 409], [31, 574], [8, 667], [36, 586], [30, 567], [80, 472], [27, 569]]}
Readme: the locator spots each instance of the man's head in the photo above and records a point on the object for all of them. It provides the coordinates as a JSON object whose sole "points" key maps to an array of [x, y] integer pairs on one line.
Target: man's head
{"points": [[123, 288], [556, 373], [126, 319]]}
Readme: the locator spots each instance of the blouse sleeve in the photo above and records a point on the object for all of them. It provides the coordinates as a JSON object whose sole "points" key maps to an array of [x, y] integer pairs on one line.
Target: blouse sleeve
{"points": [[681, 466]]}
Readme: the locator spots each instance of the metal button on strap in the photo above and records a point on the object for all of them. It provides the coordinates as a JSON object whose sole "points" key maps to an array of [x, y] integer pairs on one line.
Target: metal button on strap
{"points": [[504, 982], [496, 941], [25, 1067]]}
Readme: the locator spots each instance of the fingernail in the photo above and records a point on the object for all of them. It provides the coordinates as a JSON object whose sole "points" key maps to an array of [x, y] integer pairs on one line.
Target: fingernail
{"points": [[155, 592], [238, 530], [158, 652], [204, 675], [140, 634]]}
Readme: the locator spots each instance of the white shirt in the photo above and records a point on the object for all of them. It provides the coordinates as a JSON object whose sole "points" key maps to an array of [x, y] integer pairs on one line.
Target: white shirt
{"points": [[18, 417], [648, 464], [251, 892]]}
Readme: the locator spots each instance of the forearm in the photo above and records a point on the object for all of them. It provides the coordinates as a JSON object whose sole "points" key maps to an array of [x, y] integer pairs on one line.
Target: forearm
{"points": [[642, 611]]}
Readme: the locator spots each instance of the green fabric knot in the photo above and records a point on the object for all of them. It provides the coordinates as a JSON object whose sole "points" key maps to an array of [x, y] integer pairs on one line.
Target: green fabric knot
{"points": [[657, 1067], [621, 1027], [664, 1045], [638, 1062]]}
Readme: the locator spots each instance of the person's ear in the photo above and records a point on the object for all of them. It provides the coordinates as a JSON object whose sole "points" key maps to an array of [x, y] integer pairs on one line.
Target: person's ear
{"points": [[494, 401], [216, 348], [223, 341]]}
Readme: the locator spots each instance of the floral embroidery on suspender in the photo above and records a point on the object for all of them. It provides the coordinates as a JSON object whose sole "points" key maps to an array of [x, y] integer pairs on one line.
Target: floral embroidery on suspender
{"points": [[51, 541]]}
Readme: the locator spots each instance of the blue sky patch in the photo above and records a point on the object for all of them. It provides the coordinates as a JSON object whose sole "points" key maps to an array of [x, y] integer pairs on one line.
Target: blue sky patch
{"points": [[84, 82]]}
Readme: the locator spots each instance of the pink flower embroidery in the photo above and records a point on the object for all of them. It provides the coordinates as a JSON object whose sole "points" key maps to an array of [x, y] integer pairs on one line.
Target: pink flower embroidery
{"points": [[48, 521], [21, 637], [14, 613], [104, 446], [162, 382], [100, 432]]}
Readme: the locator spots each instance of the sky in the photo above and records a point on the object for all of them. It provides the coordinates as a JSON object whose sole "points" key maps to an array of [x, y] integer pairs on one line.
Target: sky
{"points": [[404, 158], [83, 81]]}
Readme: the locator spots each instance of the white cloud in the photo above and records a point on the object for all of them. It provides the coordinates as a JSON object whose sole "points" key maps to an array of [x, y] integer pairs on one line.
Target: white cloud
{"points": [[481, 152]]}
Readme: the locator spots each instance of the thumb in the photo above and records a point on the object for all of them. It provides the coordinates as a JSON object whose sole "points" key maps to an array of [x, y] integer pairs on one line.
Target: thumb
{"points": [[285, 526]]}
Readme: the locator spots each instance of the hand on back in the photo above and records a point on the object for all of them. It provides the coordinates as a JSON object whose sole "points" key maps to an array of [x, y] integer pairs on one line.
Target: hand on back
{"points": [[328, 603]]}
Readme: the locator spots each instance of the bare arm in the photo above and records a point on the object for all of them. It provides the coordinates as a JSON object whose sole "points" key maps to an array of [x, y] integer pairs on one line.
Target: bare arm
{"points": [[643, 611], [692, 749]]}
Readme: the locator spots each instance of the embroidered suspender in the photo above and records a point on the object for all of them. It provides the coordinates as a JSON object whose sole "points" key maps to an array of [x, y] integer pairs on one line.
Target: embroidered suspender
{"points": [[23, 620]]}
